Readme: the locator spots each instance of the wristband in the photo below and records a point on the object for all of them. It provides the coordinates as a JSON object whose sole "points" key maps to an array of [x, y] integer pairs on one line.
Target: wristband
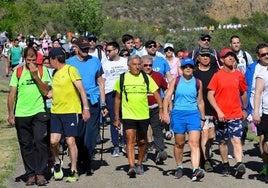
{"points": [[86, 108], [103, 107], [244, 109], [203, 119]]}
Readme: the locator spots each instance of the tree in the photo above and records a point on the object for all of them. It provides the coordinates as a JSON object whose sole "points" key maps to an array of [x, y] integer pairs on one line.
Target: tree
{"points": [[86, 15]]}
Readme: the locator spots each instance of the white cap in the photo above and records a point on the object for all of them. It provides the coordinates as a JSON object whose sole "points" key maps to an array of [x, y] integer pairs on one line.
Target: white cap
{"points": [[168, 45]]}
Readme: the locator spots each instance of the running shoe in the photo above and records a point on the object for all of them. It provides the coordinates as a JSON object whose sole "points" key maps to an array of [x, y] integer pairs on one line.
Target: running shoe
{"points": [[197, 175]]}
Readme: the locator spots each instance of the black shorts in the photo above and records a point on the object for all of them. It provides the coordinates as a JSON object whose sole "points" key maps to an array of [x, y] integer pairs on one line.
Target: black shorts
{"points": [[139, 125], [262, 128]]}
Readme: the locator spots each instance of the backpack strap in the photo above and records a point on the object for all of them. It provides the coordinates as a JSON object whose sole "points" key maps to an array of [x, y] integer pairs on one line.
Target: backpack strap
{"points": [[146, 80], [99, 53], [197, 83], [39, 67], [245, 58], [216, 57]]}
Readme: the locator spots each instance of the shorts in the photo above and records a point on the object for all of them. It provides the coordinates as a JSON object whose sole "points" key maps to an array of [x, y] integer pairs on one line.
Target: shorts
{"points": [[65, 124], [262, 128], [209, 123], [229, 129], [184, 121], [139, 125]]}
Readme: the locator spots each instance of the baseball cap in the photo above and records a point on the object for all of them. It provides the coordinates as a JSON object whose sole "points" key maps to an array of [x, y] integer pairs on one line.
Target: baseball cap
{"points": [[225, 52], [82, 42], [149, 42], [187, 61], [56, 52], [168, 45], [204, 35], [204, 51]]}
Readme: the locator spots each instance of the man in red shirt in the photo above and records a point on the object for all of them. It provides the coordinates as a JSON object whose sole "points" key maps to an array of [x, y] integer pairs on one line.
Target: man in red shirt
{"points": [[227, 89], [156, 124]]}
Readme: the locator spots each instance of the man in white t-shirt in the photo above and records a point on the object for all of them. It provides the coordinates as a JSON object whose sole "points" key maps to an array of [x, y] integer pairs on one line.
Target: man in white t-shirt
{"points": [[94, 50], [112, 69]]}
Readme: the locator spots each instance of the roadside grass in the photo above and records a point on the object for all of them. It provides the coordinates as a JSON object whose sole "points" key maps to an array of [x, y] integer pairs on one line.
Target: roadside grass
{"points": [[8, 138]]}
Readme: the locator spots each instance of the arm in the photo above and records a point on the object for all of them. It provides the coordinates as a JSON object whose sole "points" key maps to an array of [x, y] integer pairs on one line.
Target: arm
{"points": [[43, 87], [244, 98], [212, 101], [85, 114], [101, 83], [169, 76], [10, 105], [200, 101], [166, 100], [159, 102], [117, 102], [259, 86]]}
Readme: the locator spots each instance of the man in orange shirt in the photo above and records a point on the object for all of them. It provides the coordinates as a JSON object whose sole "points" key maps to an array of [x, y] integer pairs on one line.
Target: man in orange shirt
{"points": [[225, 89]]}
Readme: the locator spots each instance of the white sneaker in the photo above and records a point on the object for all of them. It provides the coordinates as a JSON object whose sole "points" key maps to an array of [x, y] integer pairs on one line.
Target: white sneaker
{"points": [[116, 152]]}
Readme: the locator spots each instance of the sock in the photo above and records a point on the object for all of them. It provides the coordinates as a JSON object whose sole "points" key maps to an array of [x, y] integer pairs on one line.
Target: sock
{"points": [[180, 166]]}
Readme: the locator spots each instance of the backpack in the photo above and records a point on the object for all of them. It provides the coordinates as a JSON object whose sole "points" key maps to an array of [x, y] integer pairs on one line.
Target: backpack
{"points": [[197, 83], [245, 58], [122, 79], [39, 67]]}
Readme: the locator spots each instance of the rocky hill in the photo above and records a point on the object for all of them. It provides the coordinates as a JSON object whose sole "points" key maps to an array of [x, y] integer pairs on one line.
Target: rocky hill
{"points": [[223, 10], [180, 12]]}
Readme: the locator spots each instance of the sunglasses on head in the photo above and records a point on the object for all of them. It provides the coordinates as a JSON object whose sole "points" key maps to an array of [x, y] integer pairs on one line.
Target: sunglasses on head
{"points": [[206, 39], [264, 54], [169, 49], [147, 65], [152, 46]]}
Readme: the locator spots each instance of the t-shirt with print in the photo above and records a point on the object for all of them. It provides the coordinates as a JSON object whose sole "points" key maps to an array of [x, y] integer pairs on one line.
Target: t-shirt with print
{"points": [[136, 89], [112, 71], [263, 74], [29, 99], [65, 96], [228, 86]]}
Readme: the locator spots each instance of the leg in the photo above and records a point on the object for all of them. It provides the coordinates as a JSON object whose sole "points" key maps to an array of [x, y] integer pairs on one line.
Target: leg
{"points": [[131, 140], [204, 143], [40, 139], [72, 151], [25, 138], [194, 138], [237, 145], [178, 148], [54, 145], [223, 151], [141, 139]]}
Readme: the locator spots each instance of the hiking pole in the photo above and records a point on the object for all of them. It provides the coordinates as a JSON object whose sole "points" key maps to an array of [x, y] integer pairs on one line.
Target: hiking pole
{"points": [[102, 141]]}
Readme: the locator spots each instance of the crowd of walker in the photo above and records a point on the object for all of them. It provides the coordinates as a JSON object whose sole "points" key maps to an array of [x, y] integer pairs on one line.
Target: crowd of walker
{"points": [[60, 89]]}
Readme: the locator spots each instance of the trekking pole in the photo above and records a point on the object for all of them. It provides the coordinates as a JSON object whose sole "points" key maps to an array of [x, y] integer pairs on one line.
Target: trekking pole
{"points": [[102, 142]]}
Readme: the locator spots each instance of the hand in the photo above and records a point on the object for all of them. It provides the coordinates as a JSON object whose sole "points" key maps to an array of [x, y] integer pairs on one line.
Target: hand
{"points": [[221, 116], [244, 115], [33, 69], [85, 115], [117, 124], [11, 120], [166, 118], [104, 111], [256, 118]]}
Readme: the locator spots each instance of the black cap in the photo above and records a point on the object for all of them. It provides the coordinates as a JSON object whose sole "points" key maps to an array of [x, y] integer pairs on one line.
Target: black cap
{"points": [[56, 52], [149, 42], [204, 35], [82, 42]]}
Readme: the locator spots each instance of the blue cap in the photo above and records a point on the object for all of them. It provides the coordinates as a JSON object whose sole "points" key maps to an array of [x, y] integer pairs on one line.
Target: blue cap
{"points": [[187, 61], [56, 52]]}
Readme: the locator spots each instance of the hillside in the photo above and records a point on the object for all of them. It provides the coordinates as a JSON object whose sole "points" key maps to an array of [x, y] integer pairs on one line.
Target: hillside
{"points": [[176, 13]]}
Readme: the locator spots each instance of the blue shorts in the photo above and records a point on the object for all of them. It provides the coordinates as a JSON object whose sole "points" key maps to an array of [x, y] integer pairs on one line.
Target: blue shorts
{"points": [[184, 121], [65, 124], [229, 129]]}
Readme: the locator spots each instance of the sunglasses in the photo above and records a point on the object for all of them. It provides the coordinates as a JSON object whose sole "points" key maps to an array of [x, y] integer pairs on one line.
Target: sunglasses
{"points": [[206, 39], [169, 49], [187, 66], [152, 46], [264, 54], [205, 55], [147, 65], [109, 51], [92, 39], [84, 50]]}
